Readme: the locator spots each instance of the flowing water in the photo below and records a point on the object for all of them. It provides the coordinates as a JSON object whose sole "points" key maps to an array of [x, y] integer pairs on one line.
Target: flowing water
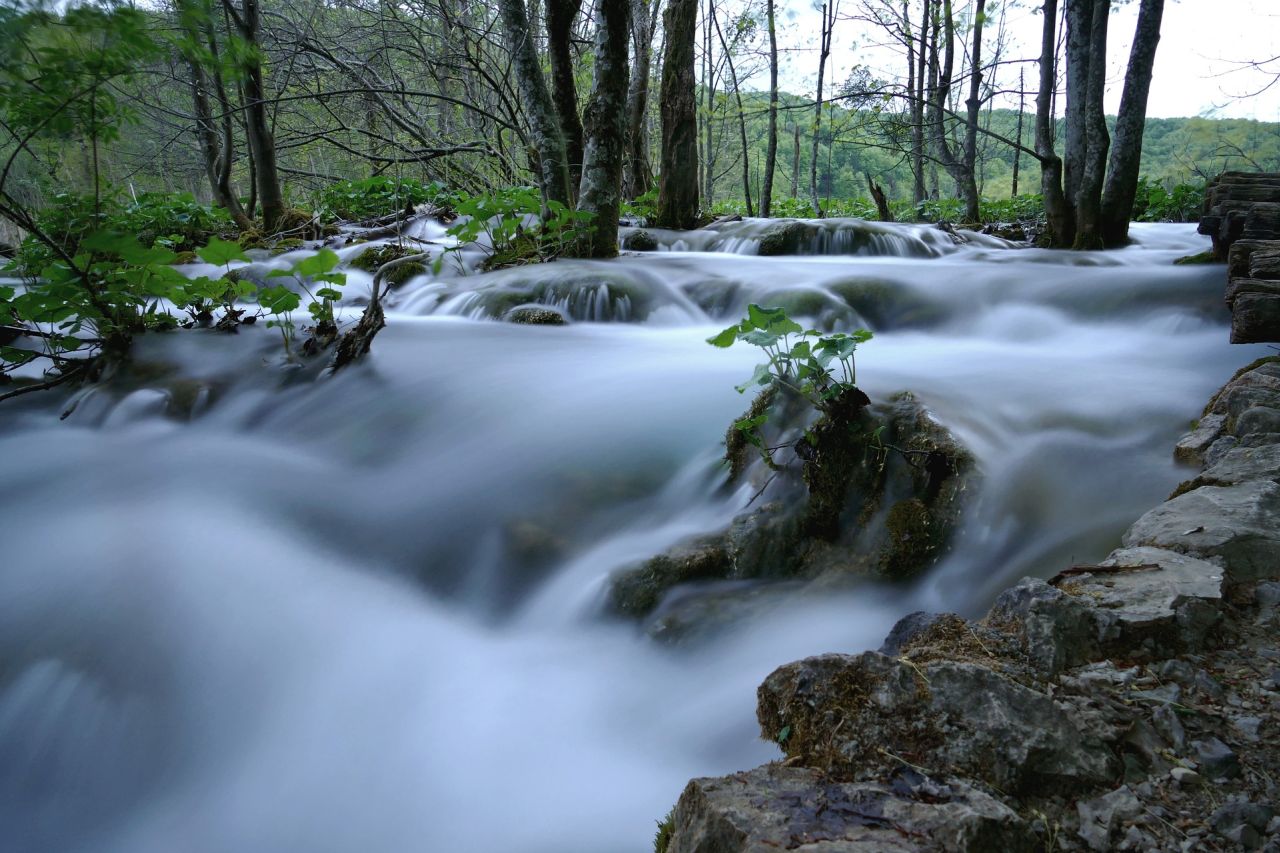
{"points": [[245, 608]]}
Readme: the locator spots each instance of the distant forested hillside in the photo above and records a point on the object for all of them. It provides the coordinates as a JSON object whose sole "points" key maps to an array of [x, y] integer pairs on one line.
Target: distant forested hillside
{"points": [[857, 141]]}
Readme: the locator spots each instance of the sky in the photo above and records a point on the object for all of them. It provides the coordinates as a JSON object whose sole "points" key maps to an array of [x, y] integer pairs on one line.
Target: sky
{"points": [[1200, 62]]}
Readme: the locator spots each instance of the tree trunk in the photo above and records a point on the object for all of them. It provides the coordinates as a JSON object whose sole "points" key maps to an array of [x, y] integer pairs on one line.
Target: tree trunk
{"points": [[1126, 152], [771, 153], [606, 127], [678, 181], [966, 178], [708, 128], [195, 22], [638, 172], [1058, 213], [564, 93], [882, 203], [1017, 152], [915, 111], [544, 126], [958, 167], [1079, 17], [828, 24], [742, 117], [795, 161], [262, 144], [1097, 140]]}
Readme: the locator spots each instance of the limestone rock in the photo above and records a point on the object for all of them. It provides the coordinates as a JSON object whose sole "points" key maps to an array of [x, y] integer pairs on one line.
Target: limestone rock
{"points": [[1235, 523], [1191, 447], [776, 808], [1101, 817], [847, 714]]}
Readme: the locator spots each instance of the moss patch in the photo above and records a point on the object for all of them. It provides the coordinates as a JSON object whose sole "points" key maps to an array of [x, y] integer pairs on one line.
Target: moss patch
{"points": [[370, 259], [1201, 258]]}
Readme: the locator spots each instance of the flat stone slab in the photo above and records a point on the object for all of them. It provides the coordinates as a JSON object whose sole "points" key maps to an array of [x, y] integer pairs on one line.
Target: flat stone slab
{"points": [[1236, 523], [774, 808], [1191, 447]]}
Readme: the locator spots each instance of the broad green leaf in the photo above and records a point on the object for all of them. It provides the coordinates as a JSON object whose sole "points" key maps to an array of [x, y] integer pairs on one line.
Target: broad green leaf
{"points": [[278, 299], [318, 264], [221, 252], [725, 338], [761, 376]]}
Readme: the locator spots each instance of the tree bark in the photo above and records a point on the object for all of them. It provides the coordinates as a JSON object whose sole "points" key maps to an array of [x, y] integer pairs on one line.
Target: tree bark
{"points": [[828, 24], [882, 203], [216, 142], [544, 126], [678, 181], [1097, 140], [638, 172], [967, 178], [262, 144], [564, 92], [771, 152], [1079, 18], [742, 117], [1126, 152], [959, 167], [795, 161], [606, 127], [1058, 213]]}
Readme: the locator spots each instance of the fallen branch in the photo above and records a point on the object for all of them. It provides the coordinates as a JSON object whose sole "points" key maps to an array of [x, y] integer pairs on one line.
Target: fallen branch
{"points": [[1073, 571]]}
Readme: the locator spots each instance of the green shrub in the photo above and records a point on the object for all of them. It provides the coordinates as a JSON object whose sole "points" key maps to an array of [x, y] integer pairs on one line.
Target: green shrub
{"points": [[1180, 203], [173, 221], [376, 196]]}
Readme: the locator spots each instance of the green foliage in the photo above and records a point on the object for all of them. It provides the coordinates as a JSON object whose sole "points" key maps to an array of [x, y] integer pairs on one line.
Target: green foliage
{"points": [[819, 367], [1180, 203], [281, 302], [502, 221], [176, 222], [666, 828], [643, 207], [376, 196]]}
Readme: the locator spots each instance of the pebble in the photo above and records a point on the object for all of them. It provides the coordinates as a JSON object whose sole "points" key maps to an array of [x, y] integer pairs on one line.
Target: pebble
{"points": [[1248, 727], [1185, 777], [1216, 759]]}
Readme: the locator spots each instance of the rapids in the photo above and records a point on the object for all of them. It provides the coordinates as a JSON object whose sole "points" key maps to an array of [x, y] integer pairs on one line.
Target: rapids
{"points": [[243, 608]]}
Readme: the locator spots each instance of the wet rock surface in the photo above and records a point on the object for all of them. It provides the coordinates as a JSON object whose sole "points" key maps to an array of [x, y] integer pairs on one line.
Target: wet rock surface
{"points": [[1128, 705], [867, 491]]}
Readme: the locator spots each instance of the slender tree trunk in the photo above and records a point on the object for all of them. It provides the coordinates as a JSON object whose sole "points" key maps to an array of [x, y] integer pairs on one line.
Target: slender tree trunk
{"points": [[795, 161], [678, 180], [606, 127], [1126, 152], [959, 167], [1097, 140], [742, 118], [544, 126], [638, 172], [1017, 152], [771, 153], [262, 144], [918, 191], [708, 126], [967, 178], [564, 92], [1058, 212], [828, 24]]}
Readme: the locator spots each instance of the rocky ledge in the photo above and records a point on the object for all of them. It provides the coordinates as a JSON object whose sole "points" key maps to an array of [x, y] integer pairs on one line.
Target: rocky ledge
{"points": [[1128, 705]]}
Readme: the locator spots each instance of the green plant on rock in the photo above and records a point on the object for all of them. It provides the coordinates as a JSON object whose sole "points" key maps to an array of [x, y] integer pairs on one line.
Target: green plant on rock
{"points": [[509, 225], [280, 301], [818, 367]]}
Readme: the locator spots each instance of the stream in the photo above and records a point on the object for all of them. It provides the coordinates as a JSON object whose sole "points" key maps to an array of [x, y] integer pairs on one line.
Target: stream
{"points": [[247, 608]]}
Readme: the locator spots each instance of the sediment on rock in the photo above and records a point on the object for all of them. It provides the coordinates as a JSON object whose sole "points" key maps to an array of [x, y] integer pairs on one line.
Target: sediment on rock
{"points": [[1128, 705]]}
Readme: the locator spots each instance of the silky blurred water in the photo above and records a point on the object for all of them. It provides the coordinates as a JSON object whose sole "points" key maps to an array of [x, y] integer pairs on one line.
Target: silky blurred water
{"points": [[243, 607]]}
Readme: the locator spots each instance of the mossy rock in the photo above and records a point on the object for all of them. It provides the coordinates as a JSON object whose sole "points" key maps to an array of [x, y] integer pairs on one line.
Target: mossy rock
{"points": [[531, 315], [252, 238], [636, 591], [641, 241], [287, 245], [186, 258], [889, 305], [788, 237], [521, 251], [1202, 258], [370, 259], [401, 274]]}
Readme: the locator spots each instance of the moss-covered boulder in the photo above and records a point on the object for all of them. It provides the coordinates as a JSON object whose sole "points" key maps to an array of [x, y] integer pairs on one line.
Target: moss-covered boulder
{"points": [[535, 315], [788, 237], [862, 491], [641, 241]]}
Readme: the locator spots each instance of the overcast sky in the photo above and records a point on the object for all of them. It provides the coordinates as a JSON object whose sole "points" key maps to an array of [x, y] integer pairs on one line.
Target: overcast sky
{"points": [[1199, 69]]}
